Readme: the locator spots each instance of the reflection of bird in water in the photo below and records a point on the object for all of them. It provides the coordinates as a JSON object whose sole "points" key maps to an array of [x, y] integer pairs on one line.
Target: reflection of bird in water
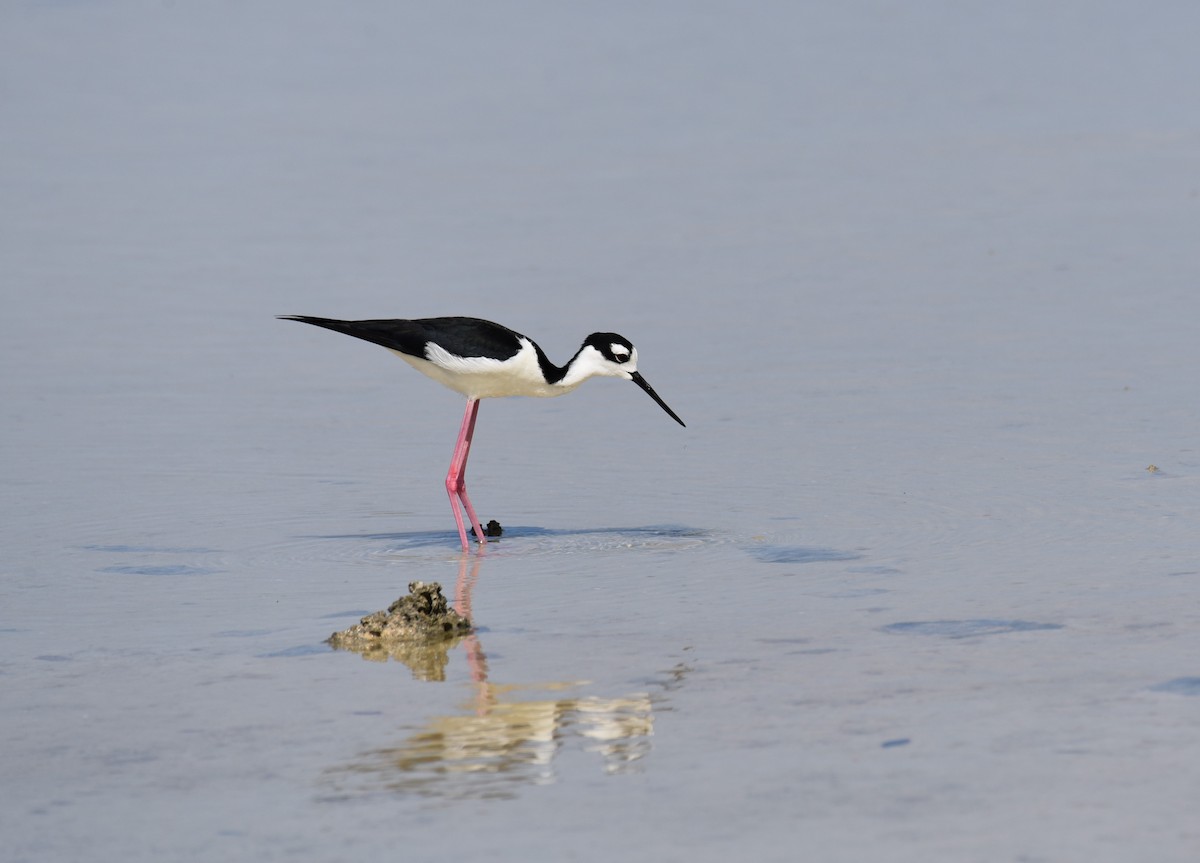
{"points": [[463, 588], [481, 359], [509, 744], [504, 742]]}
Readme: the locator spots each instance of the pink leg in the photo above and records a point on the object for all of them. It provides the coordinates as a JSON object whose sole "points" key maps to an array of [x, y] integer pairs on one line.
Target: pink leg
{"points": [[456, 483]]}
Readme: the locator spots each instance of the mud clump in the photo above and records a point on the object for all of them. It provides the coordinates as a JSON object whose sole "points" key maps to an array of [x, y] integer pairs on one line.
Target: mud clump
{"points": [[491, 530], [423, 616]]}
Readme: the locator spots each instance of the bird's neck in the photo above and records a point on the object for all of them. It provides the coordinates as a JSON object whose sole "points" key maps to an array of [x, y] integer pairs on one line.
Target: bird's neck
{"points": [[586, 363]]}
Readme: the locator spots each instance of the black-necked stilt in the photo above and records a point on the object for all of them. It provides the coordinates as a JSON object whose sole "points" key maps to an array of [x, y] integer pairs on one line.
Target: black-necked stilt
{"points": [[481, 360]]}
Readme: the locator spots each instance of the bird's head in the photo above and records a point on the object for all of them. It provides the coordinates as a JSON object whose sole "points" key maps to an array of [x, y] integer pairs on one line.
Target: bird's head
{"points": [[609, 355], [614, 356]]}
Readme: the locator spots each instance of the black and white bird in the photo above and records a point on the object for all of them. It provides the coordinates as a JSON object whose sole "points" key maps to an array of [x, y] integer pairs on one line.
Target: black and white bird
{"points": [[482, 360]]}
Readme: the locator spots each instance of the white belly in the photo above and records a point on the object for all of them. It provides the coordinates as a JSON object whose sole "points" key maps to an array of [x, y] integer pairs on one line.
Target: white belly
{"points": [[484, 378]]}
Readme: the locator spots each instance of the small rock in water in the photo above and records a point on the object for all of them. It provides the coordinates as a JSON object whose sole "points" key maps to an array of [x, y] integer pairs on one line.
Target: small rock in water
{"points": [[491, 529], [423, 615], [418, 630]]}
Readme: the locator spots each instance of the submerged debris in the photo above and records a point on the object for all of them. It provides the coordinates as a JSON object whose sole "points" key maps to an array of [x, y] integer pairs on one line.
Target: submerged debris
{"points": [[491, 529], [424, 616]]}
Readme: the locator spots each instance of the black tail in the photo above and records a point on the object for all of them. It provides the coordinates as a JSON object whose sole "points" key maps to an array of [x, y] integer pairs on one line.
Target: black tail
{"points": [[398, 335]]}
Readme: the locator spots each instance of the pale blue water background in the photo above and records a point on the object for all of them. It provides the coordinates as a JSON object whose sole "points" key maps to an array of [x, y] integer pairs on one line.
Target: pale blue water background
{"points": [[922, 279]]}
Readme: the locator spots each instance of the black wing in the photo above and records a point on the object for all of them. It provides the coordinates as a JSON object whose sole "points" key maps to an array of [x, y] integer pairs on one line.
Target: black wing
{"points": [[464, 337]]}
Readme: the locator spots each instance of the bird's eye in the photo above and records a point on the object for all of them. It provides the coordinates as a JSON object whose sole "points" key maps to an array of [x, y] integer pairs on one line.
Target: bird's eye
{"points": [[620, 352]]}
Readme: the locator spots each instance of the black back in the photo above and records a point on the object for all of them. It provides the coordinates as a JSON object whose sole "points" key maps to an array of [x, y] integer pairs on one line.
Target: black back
{"points": [[464, 337]]}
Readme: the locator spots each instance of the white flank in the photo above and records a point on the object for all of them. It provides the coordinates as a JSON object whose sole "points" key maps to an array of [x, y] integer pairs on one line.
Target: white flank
{"points": [[483, 377]]}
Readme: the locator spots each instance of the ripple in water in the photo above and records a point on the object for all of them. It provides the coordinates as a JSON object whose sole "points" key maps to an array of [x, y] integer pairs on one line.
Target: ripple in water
{"points": [[164, 569], [800, 554], [967, 628], [520, 541], [1179, 686]]}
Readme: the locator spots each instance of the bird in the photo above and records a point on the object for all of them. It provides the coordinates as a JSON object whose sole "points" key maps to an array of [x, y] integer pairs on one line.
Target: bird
{"points": [[481, 359]]}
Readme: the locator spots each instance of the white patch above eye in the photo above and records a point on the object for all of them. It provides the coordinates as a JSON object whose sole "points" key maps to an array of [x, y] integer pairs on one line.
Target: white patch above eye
{"points": [[619, 351]]}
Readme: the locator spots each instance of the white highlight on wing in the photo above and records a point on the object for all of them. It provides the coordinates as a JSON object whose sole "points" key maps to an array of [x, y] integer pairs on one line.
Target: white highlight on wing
{"points": [[466, 366]]}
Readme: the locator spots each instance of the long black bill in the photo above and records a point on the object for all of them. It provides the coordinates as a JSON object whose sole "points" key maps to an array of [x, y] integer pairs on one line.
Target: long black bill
{"points": [[641, 382]]}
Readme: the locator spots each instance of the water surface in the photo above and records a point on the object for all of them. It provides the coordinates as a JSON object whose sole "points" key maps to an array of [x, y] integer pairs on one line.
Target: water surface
{"points": [[921, 282]]}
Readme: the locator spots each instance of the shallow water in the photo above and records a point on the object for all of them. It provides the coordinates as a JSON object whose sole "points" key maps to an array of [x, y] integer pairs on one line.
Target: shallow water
{"points": [[905, 582]]}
